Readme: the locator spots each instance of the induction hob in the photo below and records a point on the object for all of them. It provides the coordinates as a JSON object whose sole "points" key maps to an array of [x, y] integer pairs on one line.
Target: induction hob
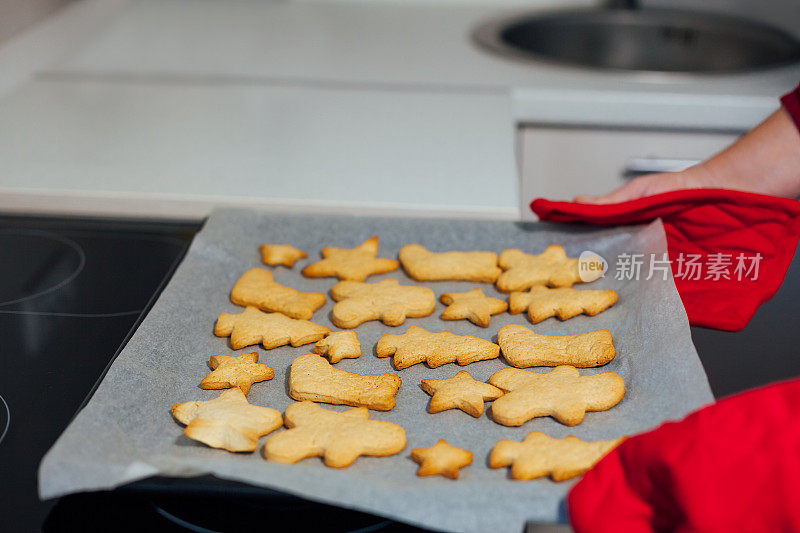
{"points": [[71, 293]]}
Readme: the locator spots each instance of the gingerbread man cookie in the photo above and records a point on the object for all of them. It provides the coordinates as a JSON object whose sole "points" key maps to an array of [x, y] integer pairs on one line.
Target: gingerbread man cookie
{"points": [[228, 422], [241, 371], [459, 392], [257, 288], [251, 326], [313, 378], [387, 301], [351, 264], [424, 265], [539, 455], [441, 459], [417, 345], [473, 306], [523, 271], [523, 348], [281, 254], [543, 302], [339, 438], [561, 393]]}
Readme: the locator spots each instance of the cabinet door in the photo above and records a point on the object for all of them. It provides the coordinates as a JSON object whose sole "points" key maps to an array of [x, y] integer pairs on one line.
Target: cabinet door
{"points": [[561, 163]]}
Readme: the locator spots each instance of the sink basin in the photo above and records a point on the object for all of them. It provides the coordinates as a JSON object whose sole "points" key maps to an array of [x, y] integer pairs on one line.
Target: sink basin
{"points": [[653, 40]]}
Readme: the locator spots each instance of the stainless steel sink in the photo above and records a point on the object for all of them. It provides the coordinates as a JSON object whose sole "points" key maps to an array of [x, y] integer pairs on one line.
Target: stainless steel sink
{"points": [[641, 40]]}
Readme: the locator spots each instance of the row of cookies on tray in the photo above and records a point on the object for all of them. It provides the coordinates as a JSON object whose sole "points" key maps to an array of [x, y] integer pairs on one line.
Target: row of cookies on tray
{"points": [[540, 284], [519, 395]]}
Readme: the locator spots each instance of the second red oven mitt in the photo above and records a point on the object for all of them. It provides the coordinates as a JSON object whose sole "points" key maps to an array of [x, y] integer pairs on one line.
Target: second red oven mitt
{"points": [[729, 250], [731, 466]]}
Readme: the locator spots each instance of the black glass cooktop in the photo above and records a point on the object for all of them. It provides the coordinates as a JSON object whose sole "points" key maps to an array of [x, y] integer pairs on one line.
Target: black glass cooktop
{"points": [[72, 291]]}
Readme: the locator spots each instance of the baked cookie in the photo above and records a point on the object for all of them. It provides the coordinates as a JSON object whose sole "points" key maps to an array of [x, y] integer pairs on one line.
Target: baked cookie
{"points": [[236, 371], [228, 422], [561, 393], [339, 438], [281, 254], [339, 345], [523, 271], [441, 459], [417, 345], [424, 265], [539, 455], [251, 326], [459, 392], [523, 348], [472, 305], [543, 302], [257, 288], [313, 378], [351, 264], [387, 301]]}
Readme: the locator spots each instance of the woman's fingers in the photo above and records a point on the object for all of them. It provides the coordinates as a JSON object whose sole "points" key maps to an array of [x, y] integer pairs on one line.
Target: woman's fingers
{"points": [[636, 188], [691, 178]]}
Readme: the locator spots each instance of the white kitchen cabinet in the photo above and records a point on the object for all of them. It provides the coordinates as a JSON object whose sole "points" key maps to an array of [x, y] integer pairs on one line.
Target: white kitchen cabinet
{"points": [[561, 162]]}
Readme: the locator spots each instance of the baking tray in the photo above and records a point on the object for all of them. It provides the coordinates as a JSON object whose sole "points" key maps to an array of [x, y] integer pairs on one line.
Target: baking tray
{"points": [[126, 433]]}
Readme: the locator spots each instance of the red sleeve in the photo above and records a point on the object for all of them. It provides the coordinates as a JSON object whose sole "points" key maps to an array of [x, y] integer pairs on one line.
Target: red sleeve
{"points": [[791, 103]]}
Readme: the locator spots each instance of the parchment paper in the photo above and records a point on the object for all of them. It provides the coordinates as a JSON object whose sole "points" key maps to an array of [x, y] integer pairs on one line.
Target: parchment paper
{"points": [[126, 431]]}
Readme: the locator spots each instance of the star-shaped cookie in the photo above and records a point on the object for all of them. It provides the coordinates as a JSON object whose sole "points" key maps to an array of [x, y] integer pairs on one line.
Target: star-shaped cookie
{"points": [[228, 422], [351, 264], [339, 438], [281, 254], [561, 393], [472, 305], [523, 271], [566, 302], [251, 326], [230, 371], [459, 392], [339, 345], [539, 455], [441, 459]]}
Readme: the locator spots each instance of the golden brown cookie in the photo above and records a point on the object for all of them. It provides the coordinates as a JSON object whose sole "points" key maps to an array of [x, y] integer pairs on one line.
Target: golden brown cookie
{"points": [[339, 438], [472, 305], [539, 455], [543, 302], [351, 264], [228, 422], [313, 378], [339, 345], [523, 348], [523, 271], [257, 288], [387, 301], [251, 326], [459, 392], [561, 393], [230, 371], [441, 459], [423, 265], [417, 345], [281, 254]]}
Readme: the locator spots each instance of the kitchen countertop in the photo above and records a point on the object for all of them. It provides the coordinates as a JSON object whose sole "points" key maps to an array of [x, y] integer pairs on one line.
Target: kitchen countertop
{"points": [[160, 107]]}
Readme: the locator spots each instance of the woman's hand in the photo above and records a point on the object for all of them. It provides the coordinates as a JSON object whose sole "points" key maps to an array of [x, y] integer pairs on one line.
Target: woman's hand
{"points": [[766, 160]]}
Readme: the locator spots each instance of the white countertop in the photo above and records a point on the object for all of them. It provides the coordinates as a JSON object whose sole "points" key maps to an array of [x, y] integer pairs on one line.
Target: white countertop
{"points": [[165, 106]]}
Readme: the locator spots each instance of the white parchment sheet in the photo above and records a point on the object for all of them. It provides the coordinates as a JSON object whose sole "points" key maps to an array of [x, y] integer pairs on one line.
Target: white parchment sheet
{"points": [[126, 432]]}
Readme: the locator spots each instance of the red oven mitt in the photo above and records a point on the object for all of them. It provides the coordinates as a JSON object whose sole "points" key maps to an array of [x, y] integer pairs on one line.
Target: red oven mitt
{"points": [[731, 466], [729, 249]]}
